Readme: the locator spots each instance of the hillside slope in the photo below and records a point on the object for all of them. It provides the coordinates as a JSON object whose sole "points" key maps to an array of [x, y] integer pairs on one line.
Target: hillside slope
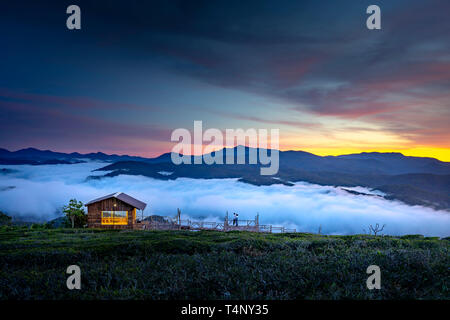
{"points": [[218, 265]]}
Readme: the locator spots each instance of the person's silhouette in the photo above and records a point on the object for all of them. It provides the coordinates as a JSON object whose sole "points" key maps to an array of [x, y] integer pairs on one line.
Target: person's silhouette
{"points": [[235, 219]]}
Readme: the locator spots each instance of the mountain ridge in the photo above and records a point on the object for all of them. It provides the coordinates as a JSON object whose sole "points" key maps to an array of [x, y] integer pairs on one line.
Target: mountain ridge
{"points": [[413, 180], [36, 154]]}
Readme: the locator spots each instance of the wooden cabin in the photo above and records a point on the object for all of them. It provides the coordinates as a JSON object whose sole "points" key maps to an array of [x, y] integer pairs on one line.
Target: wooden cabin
{"points": [[114, 211]]}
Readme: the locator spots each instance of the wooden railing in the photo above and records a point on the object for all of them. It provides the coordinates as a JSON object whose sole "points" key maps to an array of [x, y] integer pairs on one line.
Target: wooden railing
{"points": [[169, 223]]}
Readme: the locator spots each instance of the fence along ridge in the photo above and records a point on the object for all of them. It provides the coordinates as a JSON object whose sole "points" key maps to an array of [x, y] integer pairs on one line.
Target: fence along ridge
{"points": [[169, 223]]}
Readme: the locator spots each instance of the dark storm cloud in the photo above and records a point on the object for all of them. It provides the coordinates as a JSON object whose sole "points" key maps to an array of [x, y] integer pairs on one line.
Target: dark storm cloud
{"points": [[317, 56]]}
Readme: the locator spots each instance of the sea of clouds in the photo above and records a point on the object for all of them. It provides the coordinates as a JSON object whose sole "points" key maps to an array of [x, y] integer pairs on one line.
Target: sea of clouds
{"points": [[40, 191]]}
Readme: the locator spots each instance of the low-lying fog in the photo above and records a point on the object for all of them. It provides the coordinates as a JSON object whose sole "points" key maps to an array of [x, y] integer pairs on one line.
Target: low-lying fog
{"points": [[41, 191]]}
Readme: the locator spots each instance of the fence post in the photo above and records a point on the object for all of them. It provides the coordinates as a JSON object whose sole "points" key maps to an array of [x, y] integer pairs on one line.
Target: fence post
{"points": [[179, 218], [225, 224]]}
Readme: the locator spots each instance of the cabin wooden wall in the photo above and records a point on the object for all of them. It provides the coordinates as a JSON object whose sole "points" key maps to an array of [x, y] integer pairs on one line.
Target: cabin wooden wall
{"points": [[95, 213]]}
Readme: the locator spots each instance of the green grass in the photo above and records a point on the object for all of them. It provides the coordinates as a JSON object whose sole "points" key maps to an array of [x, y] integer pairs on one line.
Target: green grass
{"points": [[217, 265]]}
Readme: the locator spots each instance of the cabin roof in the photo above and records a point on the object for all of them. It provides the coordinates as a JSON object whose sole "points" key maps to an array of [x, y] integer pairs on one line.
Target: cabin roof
{"points": [[123, 197]]}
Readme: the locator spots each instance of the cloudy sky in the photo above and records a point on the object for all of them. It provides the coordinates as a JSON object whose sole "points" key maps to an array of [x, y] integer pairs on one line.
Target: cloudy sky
{"points": [[137, 70]]}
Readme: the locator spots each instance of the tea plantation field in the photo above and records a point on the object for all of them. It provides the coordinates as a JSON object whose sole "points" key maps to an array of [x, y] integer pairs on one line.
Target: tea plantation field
{"points": [[217, 265]]}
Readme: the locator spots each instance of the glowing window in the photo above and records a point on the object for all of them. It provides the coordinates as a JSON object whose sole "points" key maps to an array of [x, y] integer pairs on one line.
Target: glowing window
{"points": [[114, 217]]}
